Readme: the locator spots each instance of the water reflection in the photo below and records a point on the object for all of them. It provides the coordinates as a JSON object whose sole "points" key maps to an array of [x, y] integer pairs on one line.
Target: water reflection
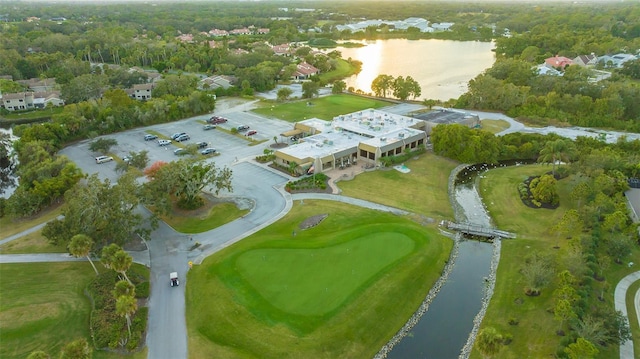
{"points": [[441, 67]]}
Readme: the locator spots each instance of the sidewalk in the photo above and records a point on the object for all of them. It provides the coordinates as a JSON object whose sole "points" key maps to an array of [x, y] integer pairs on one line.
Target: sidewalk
{"points": [[626, 348]]}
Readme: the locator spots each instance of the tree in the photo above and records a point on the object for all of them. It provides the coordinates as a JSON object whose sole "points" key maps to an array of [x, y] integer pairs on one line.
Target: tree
{"points": [[101, 211], [102, 145], [382, 84], [489, 342], [544, 190], [120, 262], [77, 349], [126, 306], [185, 179], [558, 150], [338, 87], [84, 87], [284, 93], [537, 272], [80, 246], [581, 349], [430, 103], [405, 88], [310, 89], [108, 254], [619, 246], [123, 287]]}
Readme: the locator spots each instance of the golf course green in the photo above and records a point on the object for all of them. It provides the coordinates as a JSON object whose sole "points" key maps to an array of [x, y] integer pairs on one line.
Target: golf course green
{"points": [[339, 289]]}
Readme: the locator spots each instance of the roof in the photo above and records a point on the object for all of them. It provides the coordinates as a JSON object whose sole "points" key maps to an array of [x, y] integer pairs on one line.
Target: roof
{"points": [[138, 87], [304, 68]]}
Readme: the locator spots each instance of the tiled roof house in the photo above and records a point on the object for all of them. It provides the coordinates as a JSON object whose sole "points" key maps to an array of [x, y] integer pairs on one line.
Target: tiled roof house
{"points": [[304, 71], [586, 60], [558, 61]]}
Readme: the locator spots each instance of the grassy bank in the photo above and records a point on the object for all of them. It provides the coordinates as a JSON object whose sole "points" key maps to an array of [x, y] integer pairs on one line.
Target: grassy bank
{"points": [[422, 191], [325, 108], [535, 331], [340, 289]]}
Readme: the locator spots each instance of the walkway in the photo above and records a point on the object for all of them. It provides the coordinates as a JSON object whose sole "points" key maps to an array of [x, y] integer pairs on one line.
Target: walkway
{"points": [[626, 348]]}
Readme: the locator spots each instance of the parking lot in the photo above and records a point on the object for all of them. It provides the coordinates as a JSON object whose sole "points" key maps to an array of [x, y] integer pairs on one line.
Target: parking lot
{"points": [[230, 147]]}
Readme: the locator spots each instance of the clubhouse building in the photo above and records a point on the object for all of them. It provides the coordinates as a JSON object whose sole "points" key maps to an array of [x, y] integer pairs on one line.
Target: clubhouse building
{"points": [[362, 137]]}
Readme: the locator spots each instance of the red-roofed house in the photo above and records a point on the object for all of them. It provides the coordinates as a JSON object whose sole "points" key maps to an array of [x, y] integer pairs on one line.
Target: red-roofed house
{"points": [[558, 61], [218, 32], [282, 50], [304, 71]]}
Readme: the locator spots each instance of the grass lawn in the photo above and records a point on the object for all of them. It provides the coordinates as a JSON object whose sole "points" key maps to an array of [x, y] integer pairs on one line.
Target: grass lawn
{"points": [[422, 191], [494, 126], [631, 312], [536, 332], [319, 293], [342, 70], [206, 219], [43, 307], [325, 108], [31, 243], [12, 226]]}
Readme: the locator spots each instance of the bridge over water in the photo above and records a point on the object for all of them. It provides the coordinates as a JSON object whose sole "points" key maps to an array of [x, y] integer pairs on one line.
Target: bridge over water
{"points": [[477, 230]]}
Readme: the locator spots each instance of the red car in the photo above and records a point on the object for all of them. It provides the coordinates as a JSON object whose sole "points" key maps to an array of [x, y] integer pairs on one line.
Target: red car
{"points": [[252, 132], [215, 120]]}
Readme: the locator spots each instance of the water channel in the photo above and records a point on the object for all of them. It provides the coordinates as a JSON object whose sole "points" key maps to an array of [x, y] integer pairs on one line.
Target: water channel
{"points": [[441, 67], [443, 330]]}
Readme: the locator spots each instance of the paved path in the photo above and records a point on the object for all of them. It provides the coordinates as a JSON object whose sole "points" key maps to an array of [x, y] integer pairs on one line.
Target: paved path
{"points": [[626, 348], [25, 232]]}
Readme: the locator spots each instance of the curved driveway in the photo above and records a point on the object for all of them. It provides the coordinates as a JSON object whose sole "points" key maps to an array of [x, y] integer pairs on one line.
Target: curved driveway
{"points": [[170, 251]]}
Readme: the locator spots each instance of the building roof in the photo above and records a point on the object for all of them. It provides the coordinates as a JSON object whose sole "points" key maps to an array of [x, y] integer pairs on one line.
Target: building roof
{"points": [[445, 116], [558, 61], [306, 69], [141, 87]]}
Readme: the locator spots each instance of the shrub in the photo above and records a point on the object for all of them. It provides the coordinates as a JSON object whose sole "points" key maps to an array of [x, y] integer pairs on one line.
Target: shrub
{"points": [[142, 290], [513, 321]]}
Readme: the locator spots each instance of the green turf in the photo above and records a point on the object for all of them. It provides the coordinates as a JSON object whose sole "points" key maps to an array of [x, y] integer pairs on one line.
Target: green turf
{"points": [[367, 268], [494, 126], [42, 306], [422, 191], [316, 290], [195, 222], [325, 108]]}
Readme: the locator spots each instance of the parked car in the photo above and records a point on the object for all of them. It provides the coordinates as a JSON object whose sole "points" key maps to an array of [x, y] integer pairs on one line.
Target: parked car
{"points": [[202, 145], [127, 158], [177, 134], [252, 132], [208, 151], [173, 279], [150, 137], [179, 151], [208, 127], [217, 120], [183, 137], [242, 128], [164, 142], [103, 159]]}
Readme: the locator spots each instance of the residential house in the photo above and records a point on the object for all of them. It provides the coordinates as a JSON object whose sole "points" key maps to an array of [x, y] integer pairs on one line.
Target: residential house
{"points": [[586, 60], [443, 26], [243, 31], [617, 60], [30, 100], [185, 38], [304, 71], [545, 69], [262, 31], [39, 85], [218, 32], [282, 50], [217, 81], [558, 62], [140, 92]]}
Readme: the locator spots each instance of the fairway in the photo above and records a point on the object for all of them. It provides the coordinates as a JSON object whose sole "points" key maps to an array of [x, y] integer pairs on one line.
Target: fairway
{"points": [[325, 108], [340, 289], [315, 289]]}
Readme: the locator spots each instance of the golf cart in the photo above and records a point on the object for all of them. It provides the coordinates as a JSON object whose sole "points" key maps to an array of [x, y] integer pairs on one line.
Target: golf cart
{"points": [[173, 279]]}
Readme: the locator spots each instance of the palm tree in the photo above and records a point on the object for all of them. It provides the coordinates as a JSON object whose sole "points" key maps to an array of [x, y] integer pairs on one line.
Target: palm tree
{"points": [[80, 246], [121, 263], [126, 305], [554, 151], [124, 288], [108, 253], [489, 342]]}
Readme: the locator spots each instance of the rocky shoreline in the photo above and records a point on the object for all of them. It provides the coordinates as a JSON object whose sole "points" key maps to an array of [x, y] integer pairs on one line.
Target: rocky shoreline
{"points": [[460, 216]]}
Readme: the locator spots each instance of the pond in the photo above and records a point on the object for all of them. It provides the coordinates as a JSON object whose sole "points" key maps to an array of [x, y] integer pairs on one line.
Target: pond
{"points": [[441, 67]]}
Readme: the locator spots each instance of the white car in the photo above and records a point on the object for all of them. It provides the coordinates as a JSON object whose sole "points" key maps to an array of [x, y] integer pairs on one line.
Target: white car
{"points": [[173, 279], [103, 159], [164, 142]]}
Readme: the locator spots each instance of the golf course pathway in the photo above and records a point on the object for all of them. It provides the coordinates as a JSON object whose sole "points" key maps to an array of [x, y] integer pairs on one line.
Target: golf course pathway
{"points": [[626, 348]]}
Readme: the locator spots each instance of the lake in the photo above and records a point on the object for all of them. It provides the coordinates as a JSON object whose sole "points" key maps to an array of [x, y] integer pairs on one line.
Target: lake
{"points": [[441, 67]]}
